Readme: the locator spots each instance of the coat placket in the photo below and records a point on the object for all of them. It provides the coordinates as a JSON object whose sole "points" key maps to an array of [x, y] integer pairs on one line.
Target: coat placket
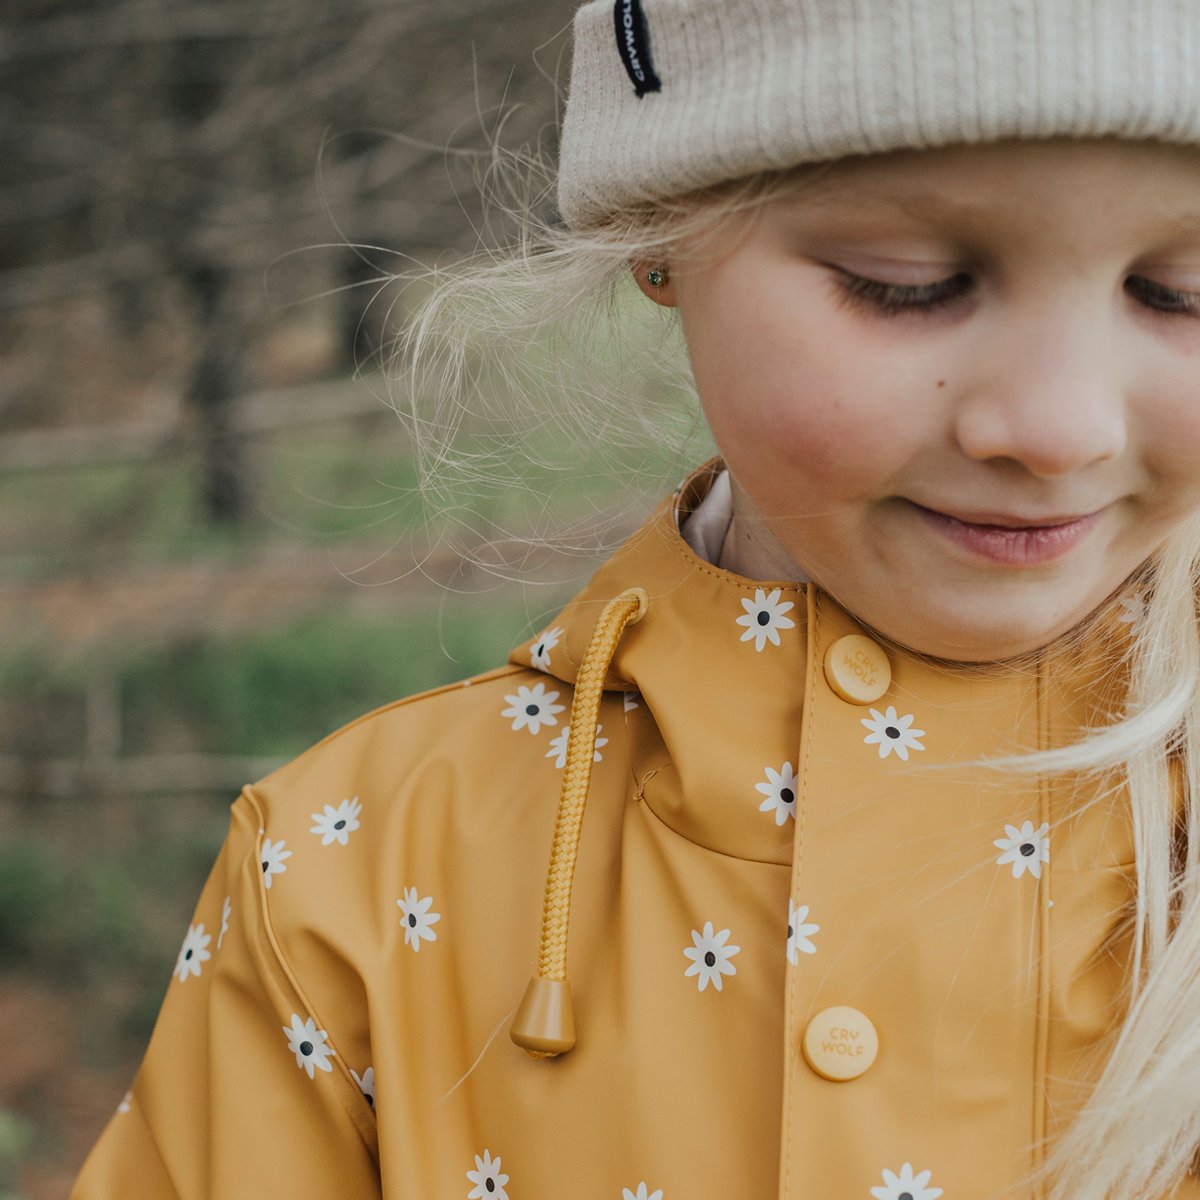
{"points": [[940, 948]]}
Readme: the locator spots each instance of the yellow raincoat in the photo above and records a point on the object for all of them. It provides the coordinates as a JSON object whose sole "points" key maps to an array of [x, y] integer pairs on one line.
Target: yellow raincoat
{"points": [[801, 967]]}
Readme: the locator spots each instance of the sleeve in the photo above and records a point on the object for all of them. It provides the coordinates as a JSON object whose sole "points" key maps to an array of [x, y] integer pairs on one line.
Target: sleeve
{"points": [[242, 1092]]}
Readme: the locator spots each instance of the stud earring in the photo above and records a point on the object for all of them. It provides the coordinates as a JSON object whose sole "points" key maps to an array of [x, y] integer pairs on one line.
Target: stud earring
{"points": [[656, 276]]}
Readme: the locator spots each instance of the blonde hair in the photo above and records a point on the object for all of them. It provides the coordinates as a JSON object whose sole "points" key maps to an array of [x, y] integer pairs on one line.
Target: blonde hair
{"points": [[536, 336]]}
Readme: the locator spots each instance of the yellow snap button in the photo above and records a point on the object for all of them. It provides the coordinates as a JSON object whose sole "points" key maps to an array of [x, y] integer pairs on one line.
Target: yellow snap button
{"points": [[840, 1043], [857, 669]]}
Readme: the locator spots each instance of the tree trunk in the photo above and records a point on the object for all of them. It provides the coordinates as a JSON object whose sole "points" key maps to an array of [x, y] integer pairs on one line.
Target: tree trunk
{"points": [[215, 384]]}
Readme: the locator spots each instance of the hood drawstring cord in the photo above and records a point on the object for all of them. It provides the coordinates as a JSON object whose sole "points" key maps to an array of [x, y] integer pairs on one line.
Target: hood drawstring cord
{"points": [[545, 1024]]}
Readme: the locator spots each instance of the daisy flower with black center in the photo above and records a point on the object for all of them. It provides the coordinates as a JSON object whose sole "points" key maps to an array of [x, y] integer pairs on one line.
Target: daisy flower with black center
{"points": [[558, 746], [780, 792], [271, 859], [799, 932], [906, 1185], [892, 733], [710, 956], [1026, 848], [416, 918], [540, 654], [531, 708], [192, 953], [488, 1180], [366, 1084], [765, 617], [642, 1193], [337, 824], [309, 1044]]}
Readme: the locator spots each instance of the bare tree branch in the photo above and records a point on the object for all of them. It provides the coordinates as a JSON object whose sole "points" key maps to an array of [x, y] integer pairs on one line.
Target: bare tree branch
{"points": [[141, 23]]}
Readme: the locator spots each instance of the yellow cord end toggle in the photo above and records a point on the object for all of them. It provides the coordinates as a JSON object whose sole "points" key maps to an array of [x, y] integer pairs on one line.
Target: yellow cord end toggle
{"points": [[643, 602], [545, 1023]]}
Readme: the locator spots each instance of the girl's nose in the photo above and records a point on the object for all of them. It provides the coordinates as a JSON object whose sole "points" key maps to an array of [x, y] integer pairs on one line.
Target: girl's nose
{"points": [[1055, 404]]}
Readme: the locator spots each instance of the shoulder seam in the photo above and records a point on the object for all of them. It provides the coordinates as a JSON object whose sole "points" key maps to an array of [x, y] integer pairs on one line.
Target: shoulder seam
{"points": [[458, 685], [355, 1102]]}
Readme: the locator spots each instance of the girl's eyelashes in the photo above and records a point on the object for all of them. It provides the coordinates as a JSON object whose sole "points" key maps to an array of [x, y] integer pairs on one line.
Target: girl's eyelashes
{"points": [[1183, 303], [891, 299]]}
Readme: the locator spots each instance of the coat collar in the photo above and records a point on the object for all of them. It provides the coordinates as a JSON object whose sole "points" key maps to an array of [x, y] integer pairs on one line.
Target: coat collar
{"points": [[717, 673]]}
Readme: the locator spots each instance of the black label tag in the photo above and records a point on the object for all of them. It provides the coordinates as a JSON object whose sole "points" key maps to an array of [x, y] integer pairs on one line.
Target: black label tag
{"points": [[633, 44]]}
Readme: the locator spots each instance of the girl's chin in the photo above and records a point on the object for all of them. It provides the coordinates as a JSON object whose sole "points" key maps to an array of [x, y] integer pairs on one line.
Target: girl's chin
{"points": [[982, 641], [961, 625]]}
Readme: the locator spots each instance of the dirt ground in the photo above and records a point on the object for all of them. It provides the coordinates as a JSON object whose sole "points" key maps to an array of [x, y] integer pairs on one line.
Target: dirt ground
{"points": [[48, 1080]]}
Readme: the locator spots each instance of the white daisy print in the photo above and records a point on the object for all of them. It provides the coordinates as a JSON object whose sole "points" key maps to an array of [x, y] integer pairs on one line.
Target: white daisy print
{"points": [[1133, 610], [710, 956], [764, 618], [558, 746], [629, 701], [1026, 848], [780, 792], [906, 1186], [488, 1180], [123, 1107], [641, 1193], [226, 909], [192, 953], [366, 1084], [337, 824], [416, 918], [540, 654], [309, 1044], [273, 854], [531, 708], [799, 932], [892, 733]]}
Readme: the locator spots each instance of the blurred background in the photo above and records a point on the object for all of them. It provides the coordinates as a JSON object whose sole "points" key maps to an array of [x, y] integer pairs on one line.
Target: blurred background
{"points": [[211, 554]]}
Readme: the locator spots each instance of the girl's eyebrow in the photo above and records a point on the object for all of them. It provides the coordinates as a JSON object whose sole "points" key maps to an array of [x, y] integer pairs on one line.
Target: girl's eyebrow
{"points": [[918, 205], [851, 205], [933, 207]]}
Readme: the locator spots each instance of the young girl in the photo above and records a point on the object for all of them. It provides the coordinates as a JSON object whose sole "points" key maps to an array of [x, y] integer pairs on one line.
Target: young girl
{"points": [[886, 723]]}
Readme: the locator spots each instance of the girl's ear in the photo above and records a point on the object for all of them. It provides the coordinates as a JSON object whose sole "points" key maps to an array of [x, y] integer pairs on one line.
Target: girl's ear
{"points": [[654, 279]]}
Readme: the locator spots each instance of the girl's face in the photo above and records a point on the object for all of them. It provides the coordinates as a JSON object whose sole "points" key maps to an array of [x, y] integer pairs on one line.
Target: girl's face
{"points": [[1027, 353]]}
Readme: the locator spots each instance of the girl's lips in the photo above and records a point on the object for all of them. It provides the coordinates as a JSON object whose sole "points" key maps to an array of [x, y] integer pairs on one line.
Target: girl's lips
{"points": [[1025, 547]]}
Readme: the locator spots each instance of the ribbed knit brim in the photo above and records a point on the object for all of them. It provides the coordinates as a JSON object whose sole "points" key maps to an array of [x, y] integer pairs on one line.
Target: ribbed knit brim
{"points": [[751, 85]]}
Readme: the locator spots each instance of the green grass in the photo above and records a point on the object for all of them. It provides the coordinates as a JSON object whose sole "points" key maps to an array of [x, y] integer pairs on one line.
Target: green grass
{"points": [[310, 486], [276, 692], [17, 1136], [269, 692], [318, 486]]}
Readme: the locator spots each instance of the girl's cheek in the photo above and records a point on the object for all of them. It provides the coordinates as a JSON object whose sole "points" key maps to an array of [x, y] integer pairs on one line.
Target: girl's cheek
{"points": [[806, 447], [1164, 431], [1175, 433], [788, 401], [828, 421]]}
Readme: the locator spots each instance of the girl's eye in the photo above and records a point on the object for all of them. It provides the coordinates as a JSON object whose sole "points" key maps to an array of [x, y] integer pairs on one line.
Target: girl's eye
{"points": [[890, 299], [1185, 304]]}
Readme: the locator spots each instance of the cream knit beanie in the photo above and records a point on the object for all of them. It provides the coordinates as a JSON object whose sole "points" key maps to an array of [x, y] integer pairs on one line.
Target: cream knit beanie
{"points": [[671, 95]]}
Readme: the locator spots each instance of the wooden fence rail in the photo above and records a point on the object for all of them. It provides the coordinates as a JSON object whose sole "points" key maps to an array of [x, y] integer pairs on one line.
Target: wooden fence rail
{"points": [[28, 778], [143, 441]]}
